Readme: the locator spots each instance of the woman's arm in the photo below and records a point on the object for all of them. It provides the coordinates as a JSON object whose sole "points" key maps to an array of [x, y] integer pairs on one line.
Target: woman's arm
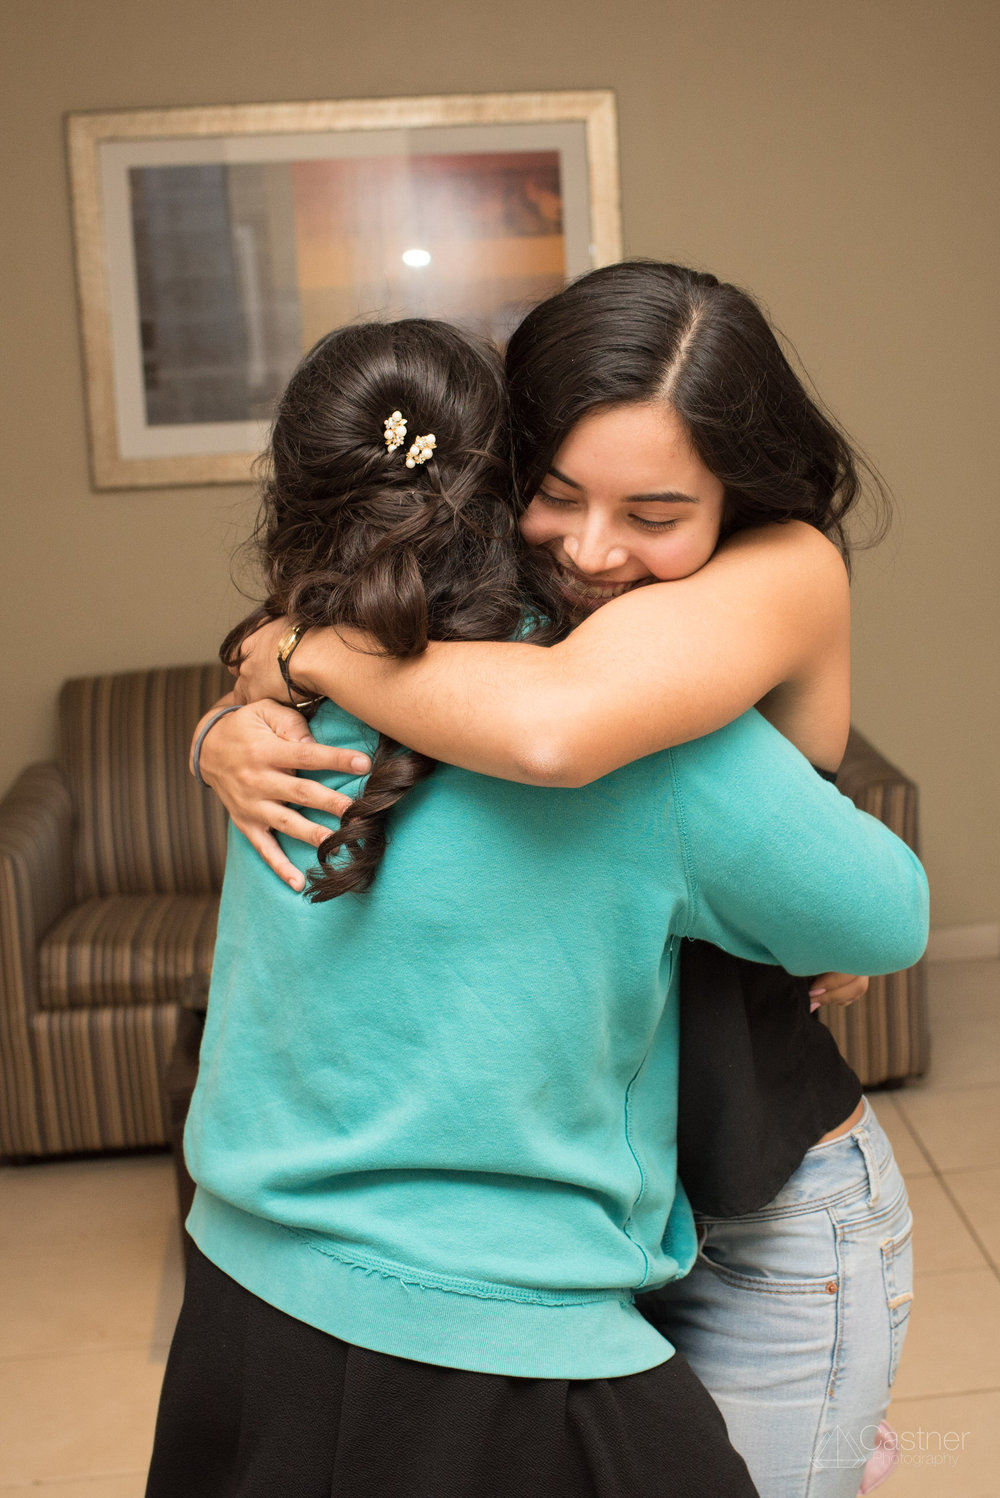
{"points": [[783, 868], [664, 664]]}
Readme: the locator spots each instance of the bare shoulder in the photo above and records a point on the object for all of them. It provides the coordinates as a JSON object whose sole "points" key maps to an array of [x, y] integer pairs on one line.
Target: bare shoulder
{"points": [[809, 604], [794, 557], [792, 540]]}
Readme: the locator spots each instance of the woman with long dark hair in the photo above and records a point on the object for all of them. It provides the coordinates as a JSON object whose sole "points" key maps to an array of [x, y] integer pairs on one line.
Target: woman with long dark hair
{"points": [[407, 552], [627, 390], [433, 1131]]}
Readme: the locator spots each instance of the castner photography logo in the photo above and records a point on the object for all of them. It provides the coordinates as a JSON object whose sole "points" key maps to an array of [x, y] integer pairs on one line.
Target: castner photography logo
{"points": [[914, 1448]]}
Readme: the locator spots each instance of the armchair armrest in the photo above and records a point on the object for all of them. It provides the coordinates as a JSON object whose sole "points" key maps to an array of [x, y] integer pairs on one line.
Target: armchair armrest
{"points": [[36, 828], [884, 1037], [36, 887], [876, 786]]}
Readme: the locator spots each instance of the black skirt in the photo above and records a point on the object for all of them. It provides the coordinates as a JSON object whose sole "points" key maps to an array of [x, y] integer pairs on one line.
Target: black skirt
{"points": [[258, 1405]]}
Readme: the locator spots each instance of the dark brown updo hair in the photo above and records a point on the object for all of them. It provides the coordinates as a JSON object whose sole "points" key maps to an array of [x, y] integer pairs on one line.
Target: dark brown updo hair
{"points": [[646, 330], [349, 535]]}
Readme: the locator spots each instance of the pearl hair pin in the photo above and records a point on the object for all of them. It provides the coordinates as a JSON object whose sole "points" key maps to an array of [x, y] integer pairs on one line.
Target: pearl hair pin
{"points": [[422, 449], [395, 431]]}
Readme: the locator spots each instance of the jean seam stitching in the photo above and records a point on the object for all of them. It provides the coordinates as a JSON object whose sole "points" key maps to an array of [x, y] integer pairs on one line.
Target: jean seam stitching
{"points": [[829, 1392], [838, 1238], [889, 1249], [859, 1191], [880, 1215]]}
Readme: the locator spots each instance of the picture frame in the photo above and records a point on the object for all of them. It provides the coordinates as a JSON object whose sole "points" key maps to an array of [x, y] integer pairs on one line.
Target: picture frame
{"points": [[214, 245]]}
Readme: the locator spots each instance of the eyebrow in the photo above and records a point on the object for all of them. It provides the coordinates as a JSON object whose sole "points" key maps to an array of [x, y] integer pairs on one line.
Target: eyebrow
{"points": [[667, 497]]}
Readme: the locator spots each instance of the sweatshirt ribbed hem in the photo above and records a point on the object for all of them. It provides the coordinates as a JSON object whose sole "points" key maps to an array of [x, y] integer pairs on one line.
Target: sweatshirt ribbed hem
{"points": [[386, 1309]]}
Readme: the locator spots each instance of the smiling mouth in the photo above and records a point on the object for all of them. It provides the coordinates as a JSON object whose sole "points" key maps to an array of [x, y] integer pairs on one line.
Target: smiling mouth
{"points": [[594, 592]]}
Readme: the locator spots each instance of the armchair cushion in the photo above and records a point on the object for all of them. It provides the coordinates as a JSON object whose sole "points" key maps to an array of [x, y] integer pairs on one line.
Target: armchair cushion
{"points": [[130, 949]]}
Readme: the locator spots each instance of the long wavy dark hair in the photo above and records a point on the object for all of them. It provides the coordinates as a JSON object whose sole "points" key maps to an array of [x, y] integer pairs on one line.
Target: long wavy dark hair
{"points": [[644, 330], [349, 535]]}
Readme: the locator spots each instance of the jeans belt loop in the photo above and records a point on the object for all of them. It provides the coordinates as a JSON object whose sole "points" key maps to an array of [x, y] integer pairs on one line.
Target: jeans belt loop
{"points": [[864, 1143]]}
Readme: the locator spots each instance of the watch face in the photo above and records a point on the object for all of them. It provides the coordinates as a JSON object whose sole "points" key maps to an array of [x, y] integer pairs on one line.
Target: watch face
{"points": [[288, 642]]}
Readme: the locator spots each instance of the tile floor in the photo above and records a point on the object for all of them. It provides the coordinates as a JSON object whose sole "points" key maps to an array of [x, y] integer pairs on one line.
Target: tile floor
{"points": [[91, 1281]]}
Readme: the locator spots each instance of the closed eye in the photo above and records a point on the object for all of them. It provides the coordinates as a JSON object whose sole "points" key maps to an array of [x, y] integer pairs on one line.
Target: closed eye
{"points": [[653, 525]]}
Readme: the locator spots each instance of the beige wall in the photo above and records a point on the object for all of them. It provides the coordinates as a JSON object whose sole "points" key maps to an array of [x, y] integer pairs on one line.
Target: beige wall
{"points": [[839, 159]]}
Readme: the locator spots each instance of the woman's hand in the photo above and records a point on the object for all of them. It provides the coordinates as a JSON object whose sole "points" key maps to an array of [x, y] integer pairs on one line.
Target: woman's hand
{"points": [[259, 675], [250, 759], [836, 988]]}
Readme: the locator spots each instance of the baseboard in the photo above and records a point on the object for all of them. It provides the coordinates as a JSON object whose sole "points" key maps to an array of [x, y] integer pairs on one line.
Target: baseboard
{"points": [[963, 943]]}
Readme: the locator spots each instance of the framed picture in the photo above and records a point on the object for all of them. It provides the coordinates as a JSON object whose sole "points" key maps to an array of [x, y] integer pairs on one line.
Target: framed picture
{"points": [[214, 246]]}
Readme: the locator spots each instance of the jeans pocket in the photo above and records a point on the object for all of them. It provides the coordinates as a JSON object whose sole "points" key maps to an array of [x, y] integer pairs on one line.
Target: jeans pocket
{"points": [[897, 1274]]}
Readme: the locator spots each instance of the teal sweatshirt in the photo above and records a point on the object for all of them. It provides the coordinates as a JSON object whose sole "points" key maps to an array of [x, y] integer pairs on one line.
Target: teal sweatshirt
{"points": [[438, 1120]]}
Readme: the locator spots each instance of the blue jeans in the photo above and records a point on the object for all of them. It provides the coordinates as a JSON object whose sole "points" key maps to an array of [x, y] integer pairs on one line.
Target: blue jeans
{"points": [[794, 1316]]}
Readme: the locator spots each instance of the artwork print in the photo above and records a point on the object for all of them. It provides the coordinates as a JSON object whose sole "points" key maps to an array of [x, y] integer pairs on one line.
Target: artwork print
{"points": [[215, 246]]}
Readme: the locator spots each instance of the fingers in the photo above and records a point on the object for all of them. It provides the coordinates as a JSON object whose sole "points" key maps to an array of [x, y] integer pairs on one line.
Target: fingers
{"points": [[287, 821], [306, 754], [838, 988], [285, 721], [843, 997], [246, 750], [261, 836], [298, 749], [267, 845], [337, 803], [273, 787]]}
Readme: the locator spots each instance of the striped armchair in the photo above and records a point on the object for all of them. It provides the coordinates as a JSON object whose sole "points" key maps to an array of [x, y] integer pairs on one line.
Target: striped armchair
{"points": [[110, 867], [884, 1036]]}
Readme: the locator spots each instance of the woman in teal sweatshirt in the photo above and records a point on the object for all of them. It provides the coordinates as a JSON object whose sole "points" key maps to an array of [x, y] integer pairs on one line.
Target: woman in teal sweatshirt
{"points": [[435, 1121]]}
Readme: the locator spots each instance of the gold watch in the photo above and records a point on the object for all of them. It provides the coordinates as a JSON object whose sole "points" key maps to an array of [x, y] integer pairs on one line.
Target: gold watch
{"points": [[286, 646]]}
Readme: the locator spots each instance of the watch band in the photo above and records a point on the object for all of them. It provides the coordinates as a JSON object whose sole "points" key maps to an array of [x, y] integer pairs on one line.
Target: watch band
{"points": [[286, 647]]}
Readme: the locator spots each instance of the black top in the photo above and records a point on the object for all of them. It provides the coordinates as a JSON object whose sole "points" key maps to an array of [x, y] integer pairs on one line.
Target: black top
{"points": [[761, 1079]]}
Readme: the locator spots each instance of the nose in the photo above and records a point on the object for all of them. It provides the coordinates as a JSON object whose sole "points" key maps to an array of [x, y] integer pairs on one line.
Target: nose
{"points": [[591, 549]]}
